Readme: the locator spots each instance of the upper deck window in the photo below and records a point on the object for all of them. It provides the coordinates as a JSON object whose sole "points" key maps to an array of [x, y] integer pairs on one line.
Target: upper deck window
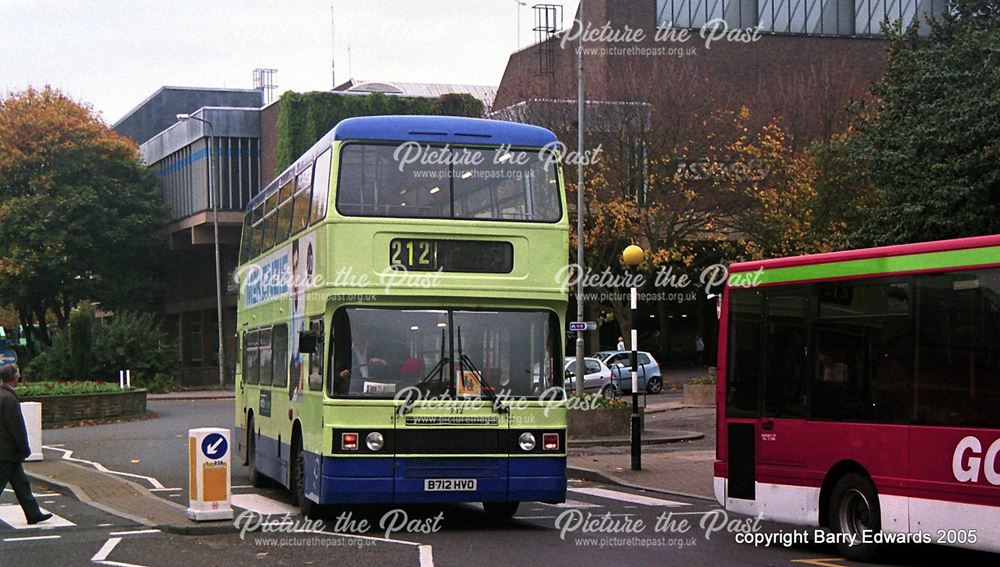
{"points": [[422, 181]]}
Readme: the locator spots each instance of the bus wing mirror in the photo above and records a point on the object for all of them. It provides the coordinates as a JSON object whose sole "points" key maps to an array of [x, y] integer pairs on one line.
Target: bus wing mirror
{"points": [[307, 342]]}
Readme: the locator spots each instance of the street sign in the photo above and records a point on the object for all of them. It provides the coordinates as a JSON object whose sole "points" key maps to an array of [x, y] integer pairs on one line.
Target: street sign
{"points": [[583, 326], [208, 474], [214, 446], [7, 356]]}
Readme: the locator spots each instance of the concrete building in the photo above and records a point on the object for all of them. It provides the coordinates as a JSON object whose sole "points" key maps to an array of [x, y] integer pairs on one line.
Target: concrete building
{"points": [[182, 155]]}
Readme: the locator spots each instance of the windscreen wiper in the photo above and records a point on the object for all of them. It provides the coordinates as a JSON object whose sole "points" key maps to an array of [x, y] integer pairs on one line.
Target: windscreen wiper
{"points": [[485, 387]]}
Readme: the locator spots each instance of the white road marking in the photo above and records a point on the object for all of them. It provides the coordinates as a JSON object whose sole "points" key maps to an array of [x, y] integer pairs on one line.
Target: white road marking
{"points": [[165, 489], [101, 557], [262, 504], [47, 495], [626, 497], [106, 549], [426, 556], [574, 504], [32, 538], [12, 515], [104, 525], [68, 456], [134, 532]]}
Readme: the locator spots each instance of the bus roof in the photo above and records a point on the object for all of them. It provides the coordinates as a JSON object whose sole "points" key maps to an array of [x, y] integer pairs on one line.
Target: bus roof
{"points": [[442, 129], [903, 258], [417, 128]]}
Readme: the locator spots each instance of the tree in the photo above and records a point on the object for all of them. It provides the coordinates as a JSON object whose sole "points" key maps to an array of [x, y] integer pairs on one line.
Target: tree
{"points": [[928, 144], [78, 212], [750, 194], [80, 333]]}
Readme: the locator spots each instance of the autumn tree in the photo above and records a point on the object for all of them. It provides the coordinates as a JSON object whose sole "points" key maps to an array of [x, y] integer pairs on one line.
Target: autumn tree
{"points": [[746, 193], [78, 212], [927, 146]]}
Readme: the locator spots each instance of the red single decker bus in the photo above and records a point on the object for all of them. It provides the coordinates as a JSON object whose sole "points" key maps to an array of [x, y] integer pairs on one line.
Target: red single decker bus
{"points": [[860, 391]]}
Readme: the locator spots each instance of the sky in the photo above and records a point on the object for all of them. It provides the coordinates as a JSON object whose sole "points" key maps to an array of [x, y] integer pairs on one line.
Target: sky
{"points": [[113, 54]]}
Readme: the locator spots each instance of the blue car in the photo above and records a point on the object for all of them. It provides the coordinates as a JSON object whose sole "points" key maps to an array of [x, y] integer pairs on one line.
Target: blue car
{"points": [[620, 362]]}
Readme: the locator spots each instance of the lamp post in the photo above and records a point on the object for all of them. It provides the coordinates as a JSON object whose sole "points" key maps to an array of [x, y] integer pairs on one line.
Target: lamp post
{"points": [[215, 227], [632, 256], [580, 102]]}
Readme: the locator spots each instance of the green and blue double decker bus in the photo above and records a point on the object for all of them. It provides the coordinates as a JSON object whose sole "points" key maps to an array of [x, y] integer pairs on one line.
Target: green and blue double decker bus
{"points": [[400, 317]]}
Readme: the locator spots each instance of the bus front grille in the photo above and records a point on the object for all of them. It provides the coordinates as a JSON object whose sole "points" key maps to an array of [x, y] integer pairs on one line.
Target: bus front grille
{"points": [[450, 442]]}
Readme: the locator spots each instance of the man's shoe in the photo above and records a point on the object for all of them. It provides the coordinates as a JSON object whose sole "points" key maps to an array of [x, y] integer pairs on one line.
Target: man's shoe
{"points": [[39, 518]]}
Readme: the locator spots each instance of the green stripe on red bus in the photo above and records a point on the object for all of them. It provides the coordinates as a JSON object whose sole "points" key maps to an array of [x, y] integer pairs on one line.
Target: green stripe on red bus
{"points": [[869, 267]]}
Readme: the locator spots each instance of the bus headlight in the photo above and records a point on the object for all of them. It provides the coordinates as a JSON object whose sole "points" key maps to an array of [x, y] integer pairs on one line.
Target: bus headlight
{"points": [[526, 441], [374, 441]]}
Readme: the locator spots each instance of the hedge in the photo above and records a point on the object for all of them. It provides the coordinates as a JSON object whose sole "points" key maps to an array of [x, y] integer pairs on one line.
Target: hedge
{"points": [[304, 118]]}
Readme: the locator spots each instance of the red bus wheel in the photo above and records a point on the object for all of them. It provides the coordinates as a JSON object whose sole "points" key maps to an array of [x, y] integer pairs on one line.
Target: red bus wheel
{"points": [[854, 511]]}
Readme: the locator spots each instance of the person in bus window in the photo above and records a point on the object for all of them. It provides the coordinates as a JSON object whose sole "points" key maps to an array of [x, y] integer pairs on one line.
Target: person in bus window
{"points": [[361, 363]]}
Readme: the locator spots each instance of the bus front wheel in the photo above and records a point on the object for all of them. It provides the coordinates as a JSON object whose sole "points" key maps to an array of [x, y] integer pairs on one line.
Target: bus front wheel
{"points": [[854, 510], [298, 483], [500, 511]]}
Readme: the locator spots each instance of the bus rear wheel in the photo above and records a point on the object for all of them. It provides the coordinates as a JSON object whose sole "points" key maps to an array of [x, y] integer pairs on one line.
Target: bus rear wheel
{"points": [[854, 510], [256, 479], [500, 511]]}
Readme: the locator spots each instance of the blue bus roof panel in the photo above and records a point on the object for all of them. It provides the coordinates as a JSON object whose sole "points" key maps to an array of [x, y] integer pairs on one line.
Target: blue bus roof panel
{"points": [[442, 129], [427, 129]]}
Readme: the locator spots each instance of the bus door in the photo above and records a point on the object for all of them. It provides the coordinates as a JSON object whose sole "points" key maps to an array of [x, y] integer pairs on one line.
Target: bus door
{"points": [[781, 430]]}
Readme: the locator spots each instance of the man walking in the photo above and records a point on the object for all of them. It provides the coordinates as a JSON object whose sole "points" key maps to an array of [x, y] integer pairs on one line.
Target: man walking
{"points": [[14, 446]]}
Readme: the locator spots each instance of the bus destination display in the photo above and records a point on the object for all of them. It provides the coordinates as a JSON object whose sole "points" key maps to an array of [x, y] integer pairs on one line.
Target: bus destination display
{"points": [[427, 255]]}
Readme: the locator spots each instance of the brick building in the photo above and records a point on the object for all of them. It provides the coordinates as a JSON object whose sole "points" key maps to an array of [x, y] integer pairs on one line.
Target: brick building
{"points": [[657, 71]]}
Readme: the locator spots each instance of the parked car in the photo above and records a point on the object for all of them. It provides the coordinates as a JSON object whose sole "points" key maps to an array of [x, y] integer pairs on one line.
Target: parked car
{"points": [[597, 374], [620, 362]]}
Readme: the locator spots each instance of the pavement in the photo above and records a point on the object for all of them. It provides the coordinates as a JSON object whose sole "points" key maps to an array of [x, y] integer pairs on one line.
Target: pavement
{"points": [[680, 473], [214, 394], [117, 496]]}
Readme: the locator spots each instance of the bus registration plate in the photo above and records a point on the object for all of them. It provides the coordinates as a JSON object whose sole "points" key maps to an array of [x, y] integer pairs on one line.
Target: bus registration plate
{"points": [[449, 484]]}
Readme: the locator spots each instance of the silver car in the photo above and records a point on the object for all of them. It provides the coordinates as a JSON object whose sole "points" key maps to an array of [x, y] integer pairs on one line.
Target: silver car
{"points": [[620, 361], [597, 374]]}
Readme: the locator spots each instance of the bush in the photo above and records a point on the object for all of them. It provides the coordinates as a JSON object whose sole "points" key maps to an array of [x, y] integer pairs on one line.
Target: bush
{"points": [[53, 363], [132, 341], [158, 384], [704, 380], [38, 389], [595, 401]]}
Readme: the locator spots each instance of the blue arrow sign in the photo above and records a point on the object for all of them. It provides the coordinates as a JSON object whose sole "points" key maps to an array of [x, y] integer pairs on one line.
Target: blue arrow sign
{"points": [[7, 356], [214, 446]]}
